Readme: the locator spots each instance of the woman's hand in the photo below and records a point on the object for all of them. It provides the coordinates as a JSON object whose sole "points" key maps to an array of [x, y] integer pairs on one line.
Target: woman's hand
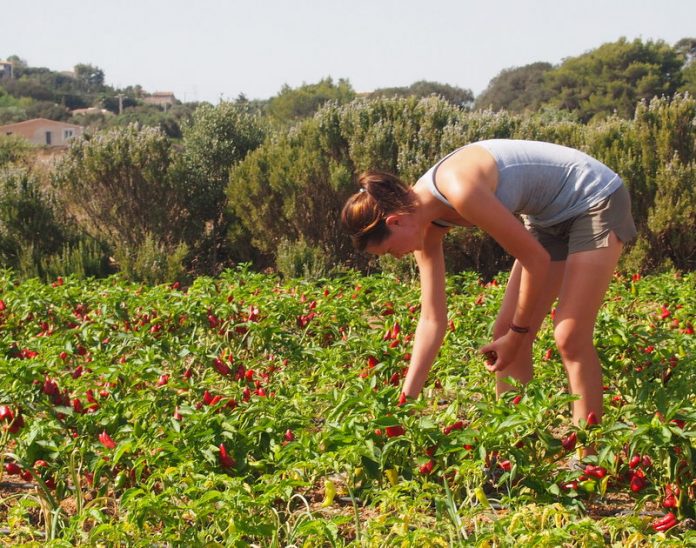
{"points": [[501, 352]]}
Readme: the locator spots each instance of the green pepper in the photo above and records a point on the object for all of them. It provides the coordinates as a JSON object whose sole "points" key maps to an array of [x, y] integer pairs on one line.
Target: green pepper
{"points": [[120, 480]]}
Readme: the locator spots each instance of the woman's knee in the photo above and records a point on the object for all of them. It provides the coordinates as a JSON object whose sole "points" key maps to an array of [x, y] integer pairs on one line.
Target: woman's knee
{"points": [[571, 342]]}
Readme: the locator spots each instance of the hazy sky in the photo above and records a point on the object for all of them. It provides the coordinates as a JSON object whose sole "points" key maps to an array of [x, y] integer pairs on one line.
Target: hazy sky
{"points": [[205, 50]]}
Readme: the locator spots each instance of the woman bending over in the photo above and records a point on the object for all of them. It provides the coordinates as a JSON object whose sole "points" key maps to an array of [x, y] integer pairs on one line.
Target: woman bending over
{"points": [[577, 216]]}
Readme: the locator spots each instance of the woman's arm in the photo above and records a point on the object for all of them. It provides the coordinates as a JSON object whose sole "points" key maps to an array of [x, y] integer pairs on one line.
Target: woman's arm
{"points": [[475, 201], [432, 324]]}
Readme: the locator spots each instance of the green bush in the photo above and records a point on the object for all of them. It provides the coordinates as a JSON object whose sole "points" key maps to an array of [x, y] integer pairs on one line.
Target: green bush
{"points": [[301, 260], [28, 219], [151, 261], [119, 184], [85, 258], [36, 239], [14, 150], [672, 218], [216, 139]]}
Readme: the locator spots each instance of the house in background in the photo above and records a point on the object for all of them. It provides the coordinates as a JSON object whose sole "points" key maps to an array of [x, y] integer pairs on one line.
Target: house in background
{"points": [[6, 70], [163, 99], [43, 132]]}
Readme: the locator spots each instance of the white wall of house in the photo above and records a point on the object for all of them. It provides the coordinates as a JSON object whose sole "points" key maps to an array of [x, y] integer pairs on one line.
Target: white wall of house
{"points": [[43, 132]]}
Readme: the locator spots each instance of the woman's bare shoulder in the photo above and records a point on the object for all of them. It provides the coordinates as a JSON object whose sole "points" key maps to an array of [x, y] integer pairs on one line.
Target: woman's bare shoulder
{"points": [[470, 165]]}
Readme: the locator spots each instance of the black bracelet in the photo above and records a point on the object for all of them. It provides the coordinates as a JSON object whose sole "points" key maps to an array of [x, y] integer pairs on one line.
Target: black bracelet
{"points": [[518, 329]]}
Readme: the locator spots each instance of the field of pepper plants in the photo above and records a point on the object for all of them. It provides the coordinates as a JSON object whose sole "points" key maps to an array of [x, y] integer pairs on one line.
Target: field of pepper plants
{"points": [[246, 410]]}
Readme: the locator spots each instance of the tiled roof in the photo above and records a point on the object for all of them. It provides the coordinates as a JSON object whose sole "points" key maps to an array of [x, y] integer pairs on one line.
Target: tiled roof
{"points": [[40, 120]]}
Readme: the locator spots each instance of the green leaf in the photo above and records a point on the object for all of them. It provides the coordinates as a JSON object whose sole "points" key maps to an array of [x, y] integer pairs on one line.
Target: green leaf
{"points": [[554, 489], [123, 448]]}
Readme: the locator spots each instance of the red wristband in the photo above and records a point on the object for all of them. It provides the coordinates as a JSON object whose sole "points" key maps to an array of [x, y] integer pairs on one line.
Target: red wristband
{"points": [[518, 329]]}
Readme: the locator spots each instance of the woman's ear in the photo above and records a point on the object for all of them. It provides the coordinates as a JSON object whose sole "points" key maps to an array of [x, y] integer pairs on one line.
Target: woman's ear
{"points": [[393, 219]]}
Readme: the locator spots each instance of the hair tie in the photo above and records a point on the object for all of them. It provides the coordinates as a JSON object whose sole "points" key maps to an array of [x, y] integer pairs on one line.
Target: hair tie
{"points": [[361, 190]]}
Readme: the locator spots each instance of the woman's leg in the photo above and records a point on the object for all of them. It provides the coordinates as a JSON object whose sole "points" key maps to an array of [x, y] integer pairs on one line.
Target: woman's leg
{"points": [[585, 281], [521, 368]]}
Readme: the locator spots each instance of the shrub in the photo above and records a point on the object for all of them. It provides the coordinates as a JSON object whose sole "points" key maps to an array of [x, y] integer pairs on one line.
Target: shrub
{"points": [[14, 150], [151, 261], [118, 184], [28, 219], [672, 218], [299, 259], [84, 258], [216, 139]]}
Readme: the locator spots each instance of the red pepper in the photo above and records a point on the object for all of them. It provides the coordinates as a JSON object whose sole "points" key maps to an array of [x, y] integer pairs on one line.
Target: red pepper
{"points": [[573, 484], [394, 431], [595, 471], [50, 387], [427, 468], [15, 421], [106, 440], [670, 501], [665, 523], [592, 419], [637, 483], [225, 460], [454, 426], [77, 406], [569, 441], [6, 413], [13, 469], [221, 367]]}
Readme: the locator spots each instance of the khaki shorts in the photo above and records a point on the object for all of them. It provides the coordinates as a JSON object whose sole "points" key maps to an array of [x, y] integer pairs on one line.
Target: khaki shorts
{"points": [[589, 230]]}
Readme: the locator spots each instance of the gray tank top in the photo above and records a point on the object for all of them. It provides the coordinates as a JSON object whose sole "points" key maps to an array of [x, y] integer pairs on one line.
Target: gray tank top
{"points": [[545, 182]]}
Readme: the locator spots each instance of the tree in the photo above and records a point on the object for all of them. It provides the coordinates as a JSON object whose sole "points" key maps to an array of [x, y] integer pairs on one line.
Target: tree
{"points": [[456, 96], [294, 104], [152, 116], [614, 78], [89, 77], [216, 139], [516, 89], [686, 48], [18, 65], [31, 87], [49, 110]]}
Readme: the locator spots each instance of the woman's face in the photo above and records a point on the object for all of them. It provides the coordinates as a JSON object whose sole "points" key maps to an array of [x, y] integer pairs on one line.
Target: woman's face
{"points": [[405, 237]]}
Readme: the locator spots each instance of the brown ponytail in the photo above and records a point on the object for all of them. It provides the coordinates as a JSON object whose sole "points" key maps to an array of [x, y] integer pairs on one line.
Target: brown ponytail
{"points": [[363, 216]]}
